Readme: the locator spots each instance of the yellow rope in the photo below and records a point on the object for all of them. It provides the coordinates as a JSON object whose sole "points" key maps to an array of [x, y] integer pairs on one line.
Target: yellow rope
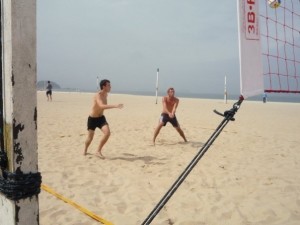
{"points": [[87, 212]]}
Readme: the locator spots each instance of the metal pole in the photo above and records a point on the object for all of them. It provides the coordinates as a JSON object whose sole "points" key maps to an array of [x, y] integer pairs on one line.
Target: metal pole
{"points": [[225, 91], [157, 85]]}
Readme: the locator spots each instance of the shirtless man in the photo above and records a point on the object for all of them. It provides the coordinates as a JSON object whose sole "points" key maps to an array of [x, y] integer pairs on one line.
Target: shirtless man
{"points": [[170, 103], [97, 118]]}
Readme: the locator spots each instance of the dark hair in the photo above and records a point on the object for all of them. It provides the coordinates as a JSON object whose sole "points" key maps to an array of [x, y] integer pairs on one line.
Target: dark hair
{"points": [[170, 89], [103, 83]]}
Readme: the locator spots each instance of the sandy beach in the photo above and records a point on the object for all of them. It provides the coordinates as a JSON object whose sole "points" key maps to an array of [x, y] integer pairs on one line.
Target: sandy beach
{"points": [[249, 176]]}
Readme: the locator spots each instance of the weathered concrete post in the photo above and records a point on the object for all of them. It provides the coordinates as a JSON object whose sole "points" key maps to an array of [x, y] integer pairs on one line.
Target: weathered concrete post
{"points": [[20, 180]]}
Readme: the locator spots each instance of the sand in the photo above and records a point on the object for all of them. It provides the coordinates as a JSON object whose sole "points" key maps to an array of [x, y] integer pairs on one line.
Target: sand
{"points": [[250, 175]]}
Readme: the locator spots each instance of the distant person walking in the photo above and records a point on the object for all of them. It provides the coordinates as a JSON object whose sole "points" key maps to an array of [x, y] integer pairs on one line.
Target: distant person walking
{"points": [[264, 97], [170, 104], [97, 118], [49, 91]]}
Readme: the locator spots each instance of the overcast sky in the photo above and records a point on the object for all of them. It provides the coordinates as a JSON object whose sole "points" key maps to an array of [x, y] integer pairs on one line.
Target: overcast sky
{"points": [[194, 43]]}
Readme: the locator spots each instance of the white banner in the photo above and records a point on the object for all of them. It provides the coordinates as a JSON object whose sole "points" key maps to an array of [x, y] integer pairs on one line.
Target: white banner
{"points": [[251, 69]]}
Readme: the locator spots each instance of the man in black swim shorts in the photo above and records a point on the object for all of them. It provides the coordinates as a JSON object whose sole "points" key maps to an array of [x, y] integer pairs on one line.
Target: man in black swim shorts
{"points": [[97, 118], [164, 118], [170, 103], [94, 122]]}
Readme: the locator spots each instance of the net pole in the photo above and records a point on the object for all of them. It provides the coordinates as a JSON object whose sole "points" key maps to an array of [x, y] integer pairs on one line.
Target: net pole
{"points": [[228, 116], [156, 94], [20, 179], [225, 91], [2, 152]]}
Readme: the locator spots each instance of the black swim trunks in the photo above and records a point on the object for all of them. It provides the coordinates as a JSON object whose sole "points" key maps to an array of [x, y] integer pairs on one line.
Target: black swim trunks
{"points": [[165, 118], [94, 122]]}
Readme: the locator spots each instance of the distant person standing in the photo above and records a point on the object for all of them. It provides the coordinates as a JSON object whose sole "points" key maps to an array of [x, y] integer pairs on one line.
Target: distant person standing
{"points": [[97, 118], [49, 91], [264, 97], [170, 104]]}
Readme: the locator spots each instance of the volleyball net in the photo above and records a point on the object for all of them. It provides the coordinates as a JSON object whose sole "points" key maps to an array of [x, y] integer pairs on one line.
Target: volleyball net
{"points": [[269, 41], [280, 41]]}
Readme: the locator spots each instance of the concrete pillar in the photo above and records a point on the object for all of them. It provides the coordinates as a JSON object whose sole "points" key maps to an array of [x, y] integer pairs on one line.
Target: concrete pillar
{"points": [[18, 37]]}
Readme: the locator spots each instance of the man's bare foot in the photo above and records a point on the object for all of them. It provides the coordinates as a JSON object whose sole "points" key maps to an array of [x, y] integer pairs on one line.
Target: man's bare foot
{"points": [[99, 154], [85, 152]]}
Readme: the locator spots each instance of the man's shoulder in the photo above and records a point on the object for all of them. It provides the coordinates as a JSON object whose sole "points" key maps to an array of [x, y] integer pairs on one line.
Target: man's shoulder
{"points": [[99, 93], [102, 95]]}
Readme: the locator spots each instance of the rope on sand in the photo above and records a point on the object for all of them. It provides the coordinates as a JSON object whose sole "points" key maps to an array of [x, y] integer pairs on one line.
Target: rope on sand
{"points": [[82, 209]]}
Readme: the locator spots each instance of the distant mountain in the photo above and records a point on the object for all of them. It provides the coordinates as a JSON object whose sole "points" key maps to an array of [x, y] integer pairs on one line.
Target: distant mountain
{"points": [[41, 85]]}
